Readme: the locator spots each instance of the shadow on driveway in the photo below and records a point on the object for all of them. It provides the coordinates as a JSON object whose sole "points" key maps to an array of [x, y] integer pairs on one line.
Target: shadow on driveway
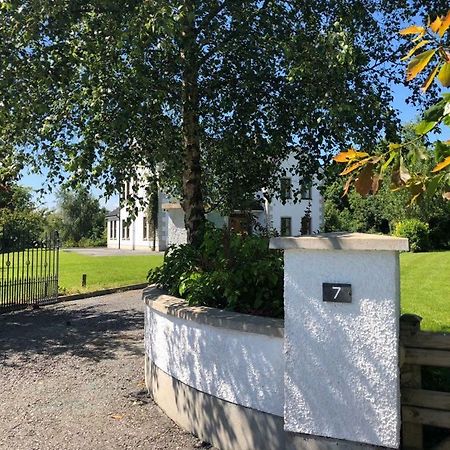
{"points": [[89, 331]]}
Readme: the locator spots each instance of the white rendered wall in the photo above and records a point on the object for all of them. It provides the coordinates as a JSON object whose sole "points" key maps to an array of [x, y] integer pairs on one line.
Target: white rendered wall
{"points": [[239, 367], [136, 240], [275, 209], [176, 232], [296, 211], [341, 376]]}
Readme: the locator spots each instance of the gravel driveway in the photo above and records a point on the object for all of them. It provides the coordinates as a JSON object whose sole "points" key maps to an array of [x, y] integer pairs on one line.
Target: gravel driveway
{"points": [[71, 377]]}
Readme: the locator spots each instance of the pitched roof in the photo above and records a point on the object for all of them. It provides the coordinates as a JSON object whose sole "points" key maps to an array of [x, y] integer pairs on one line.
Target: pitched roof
{"points": [[113, 214]]}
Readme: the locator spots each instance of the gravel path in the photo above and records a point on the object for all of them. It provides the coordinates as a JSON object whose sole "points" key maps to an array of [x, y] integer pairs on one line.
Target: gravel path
{"points": [[71, 377]]}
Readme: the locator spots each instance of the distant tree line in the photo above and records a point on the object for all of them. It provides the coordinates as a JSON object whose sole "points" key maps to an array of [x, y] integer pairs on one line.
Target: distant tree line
{"points": [[78, 216]]}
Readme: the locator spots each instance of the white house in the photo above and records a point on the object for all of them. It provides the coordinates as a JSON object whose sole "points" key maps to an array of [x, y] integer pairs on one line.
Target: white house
{"points": [[285, 216]]}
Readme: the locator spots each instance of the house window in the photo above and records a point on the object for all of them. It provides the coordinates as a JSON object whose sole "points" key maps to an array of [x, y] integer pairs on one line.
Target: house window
{"points": [[306, 192], [125, 230], [285, 187], [239, 223], [306, 227], [113, 229], [145, 228], [127, 189], [286, 226]]}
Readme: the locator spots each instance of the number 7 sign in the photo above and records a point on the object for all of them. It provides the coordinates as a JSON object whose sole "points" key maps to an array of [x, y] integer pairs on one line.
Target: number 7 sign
{"points": [[337, 292]]}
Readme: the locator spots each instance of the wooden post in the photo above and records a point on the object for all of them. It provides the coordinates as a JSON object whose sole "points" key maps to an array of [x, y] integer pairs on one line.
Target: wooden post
{"points": [[410, 377], [83, 280]]}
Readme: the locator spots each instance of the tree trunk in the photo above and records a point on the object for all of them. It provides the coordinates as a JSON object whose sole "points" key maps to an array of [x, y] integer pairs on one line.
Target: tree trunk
{"points": [[154, 209], [194, 212]]}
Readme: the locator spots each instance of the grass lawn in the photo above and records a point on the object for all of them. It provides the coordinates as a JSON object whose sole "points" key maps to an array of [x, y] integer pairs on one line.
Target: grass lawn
{"points": [[103, 271], [425, 288], [425, 280]]}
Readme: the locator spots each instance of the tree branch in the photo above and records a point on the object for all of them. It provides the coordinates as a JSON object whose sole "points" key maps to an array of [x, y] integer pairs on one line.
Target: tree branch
{"points": [[212, 14], [214, 49]]}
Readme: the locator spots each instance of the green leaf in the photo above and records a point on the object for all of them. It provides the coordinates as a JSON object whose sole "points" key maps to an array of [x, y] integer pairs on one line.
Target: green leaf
{"points": [[423, 127], [6, 5], [444, 75], [385, 166], [441, 150], [433, 185], [434, 113], [419, 63], [432, 116]]}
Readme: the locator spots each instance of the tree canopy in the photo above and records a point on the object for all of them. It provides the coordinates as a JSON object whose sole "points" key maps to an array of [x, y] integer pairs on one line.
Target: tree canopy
{"points": [[211, 94], [20, 218], [428, 59], [79, 218]]}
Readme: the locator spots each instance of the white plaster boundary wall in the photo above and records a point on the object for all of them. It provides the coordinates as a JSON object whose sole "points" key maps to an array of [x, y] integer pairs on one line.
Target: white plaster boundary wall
{"points": [[217, 353], [326, 377], [339, 345]]}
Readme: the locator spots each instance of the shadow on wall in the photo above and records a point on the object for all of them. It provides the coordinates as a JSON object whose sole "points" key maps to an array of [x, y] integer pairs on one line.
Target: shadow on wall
{"points": [[229, 365], [219, 422], [354, 385], [86, 332], [223, 364]]}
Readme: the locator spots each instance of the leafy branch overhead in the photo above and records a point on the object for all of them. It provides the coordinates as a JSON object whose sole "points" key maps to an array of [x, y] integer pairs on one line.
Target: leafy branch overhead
{"points": [[365, 171], [216, 94]]}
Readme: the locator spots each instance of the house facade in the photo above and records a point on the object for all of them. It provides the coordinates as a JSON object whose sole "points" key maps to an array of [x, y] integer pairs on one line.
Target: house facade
{"points": [[282, 215]]}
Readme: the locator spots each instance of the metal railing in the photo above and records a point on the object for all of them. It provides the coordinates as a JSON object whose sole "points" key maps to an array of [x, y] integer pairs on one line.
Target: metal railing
{"points": [[29, 270]]}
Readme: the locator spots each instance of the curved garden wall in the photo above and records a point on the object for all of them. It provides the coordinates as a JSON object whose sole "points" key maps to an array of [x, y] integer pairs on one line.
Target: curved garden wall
{"points": [[218, 374]]}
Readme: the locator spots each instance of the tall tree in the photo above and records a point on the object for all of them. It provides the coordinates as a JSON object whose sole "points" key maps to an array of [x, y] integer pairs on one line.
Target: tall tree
{"points": [[81, 216], [215, 93], [10, 167]]}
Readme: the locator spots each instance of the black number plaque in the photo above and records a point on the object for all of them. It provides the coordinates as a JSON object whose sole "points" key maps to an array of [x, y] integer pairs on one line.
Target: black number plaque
{"points": [[337, 292]]}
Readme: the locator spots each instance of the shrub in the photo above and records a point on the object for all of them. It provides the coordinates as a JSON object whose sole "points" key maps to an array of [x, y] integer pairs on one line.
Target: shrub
{"points": [[416, 231], [85, 243], [440, 232], [229, 271], [92, 242]]}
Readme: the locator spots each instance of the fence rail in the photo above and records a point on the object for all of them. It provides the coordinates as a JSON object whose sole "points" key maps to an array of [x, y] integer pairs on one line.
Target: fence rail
{"points": [[29, 270], [421, 406]]}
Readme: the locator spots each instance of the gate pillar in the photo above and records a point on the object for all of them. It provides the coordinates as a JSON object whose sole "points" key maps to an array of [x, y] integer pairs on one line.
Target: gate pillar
{"points": [[342, 308]]}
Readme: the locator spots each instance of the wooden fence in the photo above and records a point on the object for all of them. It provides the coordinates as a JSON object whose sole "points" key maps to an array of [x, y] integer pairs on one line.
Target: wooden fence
{"points": [[421, 406]]}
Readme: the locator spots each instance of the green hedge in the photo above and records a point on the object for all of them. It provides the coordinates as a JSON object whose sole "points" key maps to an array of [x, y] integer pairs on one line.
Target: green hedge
{"points": [[416, 231]]}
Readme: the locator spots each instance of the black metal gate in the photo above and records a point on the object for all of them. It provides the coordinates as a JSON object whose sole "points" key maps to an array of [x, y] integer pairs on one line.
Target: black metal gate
{"points": [[29, 270]]}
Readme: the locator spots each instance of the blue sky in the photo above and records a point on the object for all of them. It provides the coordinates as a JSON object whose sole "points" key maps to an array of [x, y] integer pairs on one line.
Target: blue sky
{"points": [[48, 200], [407, 114]]}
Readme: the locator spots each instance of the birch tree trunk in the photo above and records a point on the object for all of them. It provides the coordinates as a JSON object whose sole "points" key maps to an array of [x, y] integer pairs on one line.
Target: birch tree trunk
{"points": [[194, 212]]}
